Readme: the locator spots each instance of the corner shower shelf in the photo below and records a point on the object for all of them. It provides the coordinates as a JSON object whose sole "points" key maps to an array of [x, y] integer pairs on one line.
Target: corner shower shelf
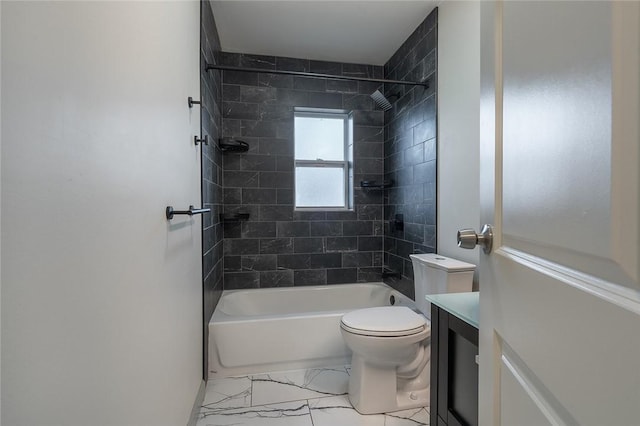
{"points": [[374, 184], [233, 145], [238, 217]]}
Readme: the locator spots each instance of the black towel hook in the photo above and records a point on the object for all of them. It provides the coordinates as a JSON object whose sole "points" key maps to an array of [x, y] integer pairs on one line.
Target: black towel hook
{"points": [[204, 140], [192, 102]]}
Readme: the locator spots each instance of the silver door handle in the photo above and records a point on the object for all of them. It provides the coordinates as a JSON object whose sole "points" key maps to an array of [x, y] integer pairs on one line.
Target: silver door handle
{"points": [[468, 239]]}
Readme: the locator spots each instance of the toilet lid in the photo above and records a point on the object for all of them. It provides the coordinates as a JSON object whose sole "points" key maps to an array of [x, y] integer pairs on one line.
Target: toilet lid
{"points": [[384, 321]]}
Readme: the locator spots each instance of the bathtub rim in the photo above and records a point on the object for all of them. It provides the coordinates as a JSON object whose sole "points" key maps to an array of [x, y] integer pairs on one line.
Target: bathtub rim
{"points": [[220, 316]]}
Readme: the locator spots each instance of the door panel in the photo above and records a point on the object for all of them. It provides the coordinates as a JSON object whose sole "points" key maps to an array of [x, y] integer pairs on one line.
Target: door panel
{"points": [[525, 408], [560, 299], [557, 120]]}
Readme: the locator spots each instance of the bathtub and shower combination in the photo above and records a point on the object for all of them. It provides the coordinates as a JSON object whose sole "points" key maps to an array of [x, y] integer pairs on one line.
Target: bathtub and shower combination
{"points": [[276, 329]]}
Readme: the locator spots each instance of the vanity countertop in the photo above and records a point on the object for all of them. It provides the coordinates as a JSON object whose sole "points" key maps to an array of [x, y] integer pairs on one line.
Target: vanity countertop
{"points": [[462, 305]]}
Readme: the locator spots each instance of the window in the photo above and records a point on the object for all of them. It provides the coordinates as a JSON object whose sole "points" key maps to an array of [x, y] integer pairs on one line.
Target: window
{"points": [[323, 157]]}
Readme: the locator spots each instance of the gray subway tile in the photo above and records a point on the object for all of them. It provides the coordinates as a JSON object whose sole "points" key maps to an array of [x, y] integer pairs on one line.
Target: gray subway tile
{"points": [[240, 78], [282, 278], [276, 81], [372, 274], [257, 61], [414, 232], [310, 277], [241, 246], [369, 243], [276, 245], [342, 244], [324, 100], [232, 196], [308, 245], [293, 229], [259, 262], [258, 196], [326, 228], [357, 259], [370, 212], [292, 97], [285, 196], [294, 261], [232, 229], [357, 101], [327, 260], [276, 180], [231, 92], [240, 110], [309, 84], [276, 213], [241, 280], [276, 146], [241, 179], [253, 162], [342, 275], [265, 129], [424, 172], [232, 263], [256, 94], [258, 229], [311, 216], [342, 86], [357, 228], [292, 64], [325, 67]]}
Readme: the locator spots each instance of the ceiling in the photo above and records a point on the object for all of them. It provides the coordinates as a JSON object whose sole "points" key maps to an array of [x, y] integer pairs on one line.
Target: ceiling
{"points": [[367, 32]]}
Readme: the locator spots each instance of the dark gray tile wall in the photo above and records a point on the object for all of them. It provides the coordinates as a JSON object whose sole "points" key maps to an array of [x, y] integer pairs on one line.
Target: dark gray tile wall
{"points": [[410, 151], [277, 246], [211, 125]]}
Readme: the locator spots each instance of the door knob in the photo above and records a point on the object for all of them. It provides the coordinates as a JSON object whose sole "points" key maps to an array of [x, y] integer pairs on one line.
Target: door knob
{"points": [[468, 239]]}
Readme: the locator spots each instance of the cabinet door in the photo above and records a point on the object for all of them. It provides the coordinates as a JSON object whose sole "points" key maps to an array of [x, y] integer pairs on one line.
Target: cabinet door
{"points": [[462, 374], [454, 398]]}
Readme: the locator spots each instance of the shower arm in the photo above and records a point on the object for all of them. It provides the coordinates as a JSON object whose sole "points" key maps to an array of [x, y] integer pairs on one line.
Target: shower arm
{"points": [[209, 67]]}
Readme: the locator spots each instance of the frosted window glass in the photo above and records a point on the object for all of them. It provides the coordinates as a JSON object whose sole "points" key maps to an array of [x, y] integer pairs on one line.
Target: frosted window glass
{"points": [[319, 138], [319, 187]]}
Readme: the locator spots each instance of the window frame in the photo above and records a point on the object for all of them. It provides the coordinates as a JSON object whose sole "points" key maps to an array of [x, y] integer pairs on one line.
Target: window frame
{"points": [[345, 165]]}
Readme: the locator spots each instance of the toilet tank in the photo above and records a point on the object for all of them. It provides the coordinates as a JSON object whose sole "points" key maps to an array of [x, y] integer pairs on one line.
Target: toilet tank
{"points": [[434, 274]]}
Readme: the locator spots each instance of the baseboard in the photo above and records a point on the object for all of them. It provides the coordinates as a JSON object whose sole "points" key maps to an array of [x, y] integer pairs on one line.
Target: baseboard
{"points": [[197, 405]]}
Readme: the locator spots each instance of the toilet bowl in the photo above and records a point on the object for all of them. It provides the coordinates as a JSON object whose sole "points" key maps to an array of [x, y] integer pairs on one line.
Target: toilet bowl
{"points": [[390, 348], [391, 345]]}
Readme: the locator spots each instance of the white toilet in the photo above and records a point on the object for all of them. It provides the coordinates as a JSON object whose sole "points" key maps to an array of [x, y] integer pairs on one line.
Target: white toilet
{"points": [[391, 344]]}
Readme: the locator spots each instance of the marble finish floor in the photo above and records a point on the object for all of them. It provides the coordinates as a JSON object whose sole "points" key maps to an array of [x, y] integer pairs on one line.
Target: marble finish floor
{"points": [[314, 397]]}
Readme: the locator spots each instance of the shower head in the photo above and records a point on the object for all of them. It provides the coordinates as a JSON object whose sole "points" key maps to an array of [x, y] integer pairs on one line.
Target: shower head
{"points": [[381, 100]]}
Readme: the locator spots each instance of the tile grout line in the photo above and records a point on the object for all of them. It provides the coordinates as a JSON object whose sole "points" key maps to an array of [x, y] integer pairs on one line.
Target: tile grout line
{"points": [[310, 415], [251, 394]]}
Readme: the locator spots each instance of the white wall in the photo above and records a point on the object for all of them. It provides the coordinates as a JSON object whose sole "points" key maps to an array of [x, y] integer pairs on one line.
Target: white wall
{"points": [[0, 214], [458, 124], [101, 297]]}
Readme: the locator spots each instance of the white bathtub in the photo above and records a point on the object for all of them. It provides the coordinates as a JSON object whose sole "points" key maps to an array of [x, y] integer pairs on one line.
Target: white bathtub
{"points": [[264, 330]]}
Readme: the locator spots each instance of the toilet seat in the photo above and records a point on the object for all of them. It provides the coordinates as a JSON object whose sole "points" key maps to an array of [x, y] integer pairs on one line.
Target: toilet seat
{"points": [[387, 321]]}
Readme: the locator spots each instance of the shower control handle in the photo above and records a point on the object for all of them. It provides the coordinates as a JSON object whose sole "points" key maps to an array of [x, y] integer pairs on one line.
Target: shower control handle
{"points": [[468, 239]]}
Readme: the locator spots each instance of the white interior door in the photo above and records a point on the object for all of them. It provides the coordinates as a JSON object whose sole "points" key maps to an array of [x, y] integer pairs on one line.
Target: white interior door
{"points": [[560, 293]]}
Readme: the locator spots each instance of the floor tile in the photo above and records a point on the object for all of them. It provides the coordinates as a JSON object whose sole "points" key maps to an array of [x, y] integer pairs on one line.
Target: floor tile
{"points": [[297, 385], [289, 414], [337, 411], [413, 417], [315, 397], [228, 393]]}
